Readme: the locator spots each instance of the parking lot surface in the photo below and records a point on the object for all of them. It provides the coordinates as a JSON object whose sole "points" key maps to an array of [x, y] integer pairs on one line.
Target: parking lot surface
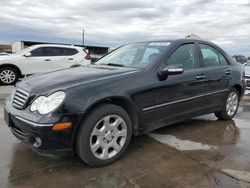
{"points": [[201, 152]]}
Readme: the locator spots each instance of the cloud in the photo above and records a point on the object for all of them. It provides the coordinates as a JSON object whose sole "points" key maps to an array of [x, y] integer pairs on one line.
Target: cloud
{"points": [[114, 22]]}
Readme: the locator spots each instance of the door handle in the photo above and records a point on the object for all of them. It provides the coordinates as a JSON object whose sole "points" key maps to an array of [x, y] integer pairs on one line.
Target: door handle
{"points": [[200, 76], [47, 60], [228, 72], [71, 59]]}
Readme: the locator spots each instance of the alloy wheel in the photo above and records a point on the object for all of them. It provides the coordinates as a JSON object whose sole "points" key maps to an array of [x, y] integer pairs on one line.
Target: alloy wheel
{"points": [[232, 103], [108, 137], [7, 76]]}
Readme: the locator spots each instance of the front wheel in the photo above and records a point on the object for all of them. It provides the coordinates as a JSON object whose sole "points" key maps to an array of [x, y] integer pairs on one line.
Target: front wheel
{"points": [[104, 136], [230, 105], [8, 76]]}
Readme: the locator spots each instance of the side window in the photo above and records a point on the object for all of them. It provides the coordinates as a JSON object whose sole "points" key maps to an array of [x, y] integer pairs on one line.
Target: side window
{"points": [[55, 51], [71, 51], [223, 60], [184, 55], [41, 52], [209, 55], [67, 51], [58, 51]]}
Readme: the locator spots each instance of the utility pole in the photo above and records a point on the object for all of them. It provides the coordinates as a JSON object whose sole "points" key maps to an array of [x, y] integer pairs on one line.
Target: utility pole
{"points": [[83, 37]]}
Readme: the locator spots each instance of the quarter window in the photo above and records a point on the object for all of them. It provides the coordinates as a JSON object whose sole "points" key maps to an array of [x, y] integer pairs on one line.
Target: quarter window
{"points": [[184, 55]]}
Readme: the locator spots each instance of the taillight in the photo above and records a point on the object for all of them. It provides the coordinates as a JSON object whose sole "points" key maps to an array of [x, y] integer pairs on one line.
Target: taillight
{"points": [[88, 57]]}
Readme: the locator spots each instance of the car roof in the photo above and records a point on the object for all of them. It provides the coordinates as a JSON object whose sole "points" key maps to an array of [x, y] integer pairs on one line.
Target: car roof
{"points": [[179, 40], [56, 45]]}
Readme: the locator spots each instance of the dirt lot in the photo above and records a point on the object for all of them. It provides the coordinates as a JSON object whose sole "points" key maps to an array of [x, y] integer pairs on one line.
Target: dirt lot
{"points": [[202, 152]]}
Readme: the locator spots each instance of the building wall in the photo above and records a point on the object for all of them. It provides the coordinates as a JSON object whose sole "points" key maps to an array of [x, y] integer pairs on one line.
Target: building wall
{"points": [[17, 46], [5, 47]]}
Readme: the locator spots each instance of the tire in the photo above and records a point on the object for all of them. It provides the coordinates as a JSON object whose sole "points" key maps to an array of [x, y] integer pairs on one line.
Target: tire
{"points": [[103, 127], [230, 105], [8, 76]]}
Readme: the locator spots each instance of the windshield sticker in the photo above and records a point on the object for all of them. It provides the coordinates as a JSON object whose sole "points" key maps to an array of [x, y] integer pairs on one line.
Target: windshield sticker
{"points": [[159, 44]]}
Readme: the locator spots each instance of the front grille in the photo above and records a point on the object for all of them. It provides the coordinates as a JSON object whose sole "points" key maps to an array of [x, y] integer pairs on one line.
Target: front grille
{"points": [[20, 98]]}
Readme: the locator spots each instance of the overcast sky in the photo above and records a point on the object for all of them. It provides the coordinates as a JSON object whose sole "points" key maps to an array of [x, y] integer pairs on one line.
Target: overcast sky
{"points": [[114, 22]]}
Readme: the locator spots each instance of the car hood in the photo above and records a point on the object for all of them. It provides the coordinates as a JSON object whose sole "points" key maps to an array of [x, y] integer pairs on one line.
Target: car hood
{"points": [[7, 57], [67, 78]]}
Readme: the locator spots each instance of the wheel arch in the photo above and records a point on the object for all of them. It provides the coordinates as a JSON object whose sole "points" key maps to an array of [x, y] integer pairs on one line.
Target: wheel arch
{"points": [[123, 102], [12, 66], [119, 101], [239, 88]]}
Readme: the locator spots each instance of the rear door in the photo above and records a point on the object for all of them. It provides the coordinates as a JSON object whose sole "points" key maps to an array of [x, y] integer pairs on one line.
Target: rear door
{"points": [[218, 74], [63, 57]]}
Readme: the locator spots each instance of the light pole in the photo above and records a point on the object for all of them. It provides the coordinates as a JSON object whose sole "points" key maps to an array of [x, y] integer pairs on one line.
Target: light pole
{"points": [[83, 37]]}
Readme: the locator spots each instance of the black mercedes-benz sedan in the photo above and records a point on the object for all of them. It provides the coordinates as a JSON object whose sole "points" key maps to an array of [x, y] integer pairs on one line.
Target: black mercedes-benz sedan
{"points": [[94, 111]]}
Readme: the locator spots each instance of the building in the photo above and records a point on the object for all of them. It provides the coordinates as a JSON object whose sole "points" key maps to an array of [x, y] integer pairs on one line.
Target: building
{"points": [[95, 51], [5, 48], [194, 36]]}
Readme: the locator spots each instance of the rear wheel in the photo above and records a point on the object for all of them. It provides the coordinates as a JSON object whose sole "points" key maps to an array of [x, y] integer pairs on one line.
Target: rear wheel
{"points": [[104, 136], [230, 105], [8, 76]]}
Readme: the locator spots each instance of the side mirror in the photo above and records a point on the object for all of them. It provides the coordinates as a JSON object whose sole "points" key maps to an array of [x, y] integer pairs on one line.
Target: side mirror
{"points": [[170, 70], [28, 54]]}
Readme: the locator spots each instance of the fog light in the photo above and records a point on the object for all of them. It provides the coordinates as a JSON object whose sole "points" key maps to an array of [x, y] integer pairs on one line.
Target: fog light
{"points": [[37, 142]]}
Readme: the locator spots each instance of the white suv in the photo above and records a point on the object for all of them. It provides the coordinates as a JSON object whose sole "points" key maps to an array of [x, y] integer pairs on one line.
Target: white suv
{"points": [[40, 58]]}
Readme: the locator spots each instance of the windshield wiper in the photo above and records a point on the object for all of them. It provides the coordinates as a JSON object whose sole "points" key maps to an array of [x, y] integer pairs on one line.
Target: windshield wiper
{"points": [[114, 64]]}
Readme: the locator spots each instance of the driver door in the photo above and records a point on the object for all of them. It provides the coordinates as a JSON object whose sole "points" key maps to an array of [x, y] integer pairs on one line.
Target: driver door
{"points": [[178, 95]]}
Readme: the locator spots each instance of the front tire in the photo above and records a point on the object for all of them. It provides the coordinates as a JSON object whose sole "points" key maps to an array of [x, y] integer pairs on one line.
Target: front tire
{"points": [[104, 136], [230, 106], [8, 76]]}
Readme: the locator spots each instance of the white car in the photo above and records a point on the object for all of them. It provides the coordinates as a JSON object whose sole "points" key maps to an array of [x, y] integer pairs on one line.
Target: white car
{"points": [[3, 53], [247, 75], [40, 58]]}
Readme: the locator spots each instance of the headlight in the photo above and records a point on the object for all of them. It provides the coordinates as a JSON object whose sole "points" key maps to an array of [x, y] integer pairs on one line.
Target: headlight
{"points": [[45, 105]]}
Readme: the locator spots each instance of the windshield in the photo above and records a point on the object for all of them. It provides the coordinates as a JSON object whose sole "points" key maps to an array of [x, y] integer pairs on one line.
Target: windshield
{"points": [[134, 55], [248, 65], [23, 51]]}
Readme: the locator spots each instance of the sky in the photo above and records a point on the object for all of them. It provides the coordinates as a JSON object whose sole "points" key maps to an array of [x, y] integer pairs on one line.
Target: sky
{"points": [[115, 22]]}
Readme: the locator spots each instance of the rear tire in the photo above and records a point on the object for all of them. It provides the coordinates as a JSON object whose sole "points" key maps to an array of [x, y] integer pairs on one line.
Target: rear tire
{"points": [[230, 106], [104, 136], [8, 76]]}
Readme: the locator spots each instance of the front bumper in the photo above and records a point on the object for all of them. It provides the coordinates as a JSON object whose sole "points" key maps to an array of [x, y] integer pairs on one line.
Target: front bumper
{"points": [[39, 136]]}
